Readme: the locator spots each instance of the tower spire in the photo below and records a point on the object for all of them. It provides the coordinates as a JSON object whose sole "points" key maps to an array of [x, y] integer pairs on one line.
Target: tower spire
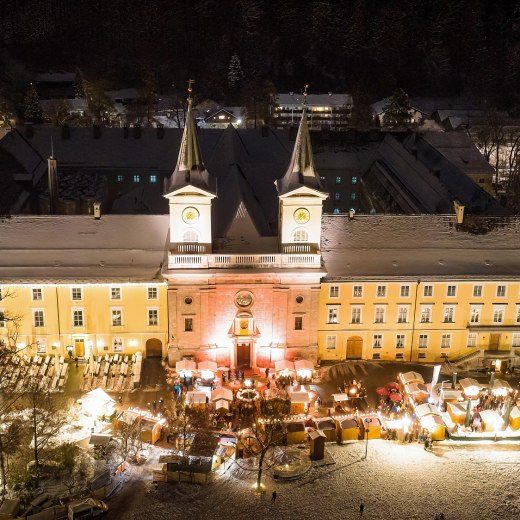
{"points": [[190, 169], [301, 170]]}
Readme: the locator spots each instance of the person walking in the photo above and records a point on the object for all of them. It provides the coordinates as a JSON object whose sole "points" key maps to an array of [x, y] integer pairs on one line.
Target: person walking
{"points": [[273, 497], [267, 372], [76, 360], [361, 507], [154, 406]]}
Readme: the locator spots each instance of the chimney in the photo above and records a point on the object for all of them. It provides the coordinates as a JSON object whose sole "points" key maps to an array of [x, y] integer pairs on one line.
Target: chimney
{"points": [[52, 169], [459, 211], [97, 210]]}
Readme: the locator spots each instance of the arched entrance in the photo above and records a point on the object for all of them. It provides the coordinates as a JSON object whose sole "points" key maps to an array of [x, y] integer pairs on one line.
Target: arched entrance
{"points": [[153, 348], [354, 347]]}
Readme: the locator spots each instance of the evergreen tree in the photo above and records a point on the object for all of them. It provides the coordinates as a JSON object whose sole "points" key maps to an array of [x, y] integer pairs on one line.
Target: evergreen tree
{"points": [[397, 110], [235, 73], [32, 109], [79, 91]]}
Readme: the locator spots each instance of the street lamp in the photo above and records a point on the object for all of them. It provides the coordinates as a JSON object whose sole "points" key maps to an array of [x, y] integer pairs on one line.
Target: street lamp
{"points": [[368, 421]]}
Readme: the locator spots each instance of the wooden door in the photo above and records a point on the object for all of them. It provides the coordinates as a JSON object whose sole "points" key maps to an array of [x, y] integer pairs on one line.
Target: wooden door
{"points": [[79, 348], [243, 356], [354, 347], [153, 348], [494, 341]]}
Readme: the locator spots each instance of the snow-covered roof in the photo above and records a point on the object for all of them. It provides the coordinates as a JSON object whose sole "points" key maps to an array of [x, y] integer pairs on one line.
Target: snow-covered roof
{"points": [[75, 248], [124, 93], [300, 397], [319, 100], [73, 105]]}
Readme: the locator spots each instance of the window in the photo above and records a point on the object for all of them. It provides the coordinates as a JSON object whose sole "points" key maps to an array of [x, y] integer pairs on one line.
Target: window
{"points": [[119, 178], [451, 290], [333, 314], [517, 314], [118, 345], [153, 179], [379, 315], [335, 211], [37, 295], [498, 314], [449, 314], [299, 299], [322, 179], [501, 291], [446, 341], [472, 340], [399, 341], [477, 291], [188, 324], [38, 318], [516, 340], [356, 315], [152, 293], [331, 342], [358, 291], [474, 313], [190, 235], [338, 180], [137, 178], [188, 300], [153, 317], [352, 196], [337, 196], [354, 179], [423, 340], [376, 355], [399, 355], [422, 355], [300, 235], [117, 317], [428, 291], [77, 318], [377, 341], [298, 323], [402, 314], [76, 293], [115, 293], [426, 314], [334, 291], [405, 291], [381, 291]]}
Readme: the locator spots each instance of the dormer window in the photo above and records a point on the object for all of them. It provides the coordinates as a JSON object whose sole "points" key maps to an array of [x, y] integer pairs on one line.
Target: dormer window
{"points": [[300, 235]]}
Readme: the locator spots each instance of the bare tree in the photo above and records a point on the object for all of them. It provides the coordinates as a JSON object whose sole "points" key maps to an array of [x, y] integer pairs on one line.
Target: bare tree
{"points": [[57, 112], [128, 434], [10, 441]]}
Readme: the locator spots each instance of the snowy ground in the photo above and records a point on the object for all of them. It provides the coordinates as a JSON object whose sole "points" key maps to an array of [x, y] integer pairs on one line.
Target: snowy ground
{"points": [[401, 482]]}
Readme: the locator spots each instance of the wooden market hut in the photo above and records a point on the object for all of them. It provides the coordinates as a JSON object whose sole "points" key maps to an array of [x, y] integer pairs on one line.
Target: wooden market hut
{"points": [[196, 399], [411, 377], [373, 424], [457, 412], [296, 433], [299, 402], [418, 391], [514, 418], [150, 430], [347, 429], [470, 387], [435, 426], [492, 421], [327, 426]]}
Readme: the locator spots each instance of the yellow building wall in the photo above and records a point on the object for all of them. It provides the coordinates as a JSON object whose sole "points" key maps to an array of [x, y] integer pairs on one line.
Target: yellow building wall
{"points": [[489, 335], [97, 335]]}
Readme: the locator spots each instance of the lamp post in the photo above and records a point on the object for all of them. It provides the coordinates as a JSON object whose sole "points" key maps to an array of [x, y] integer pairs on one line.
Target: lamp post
{"points": [[368, 421]]}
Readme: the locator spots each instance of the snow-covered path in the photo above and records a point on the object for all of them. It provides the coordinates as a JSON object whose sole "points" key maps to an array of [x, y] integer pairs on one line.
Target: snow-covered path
{"points": [[401, 482]]}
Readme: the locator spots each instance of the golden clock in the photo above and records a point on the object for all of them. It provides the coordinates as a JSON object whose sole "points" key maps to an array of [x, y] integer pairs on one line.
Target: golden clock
{"points": [[190, 215], [244, 299], [302, 215]]}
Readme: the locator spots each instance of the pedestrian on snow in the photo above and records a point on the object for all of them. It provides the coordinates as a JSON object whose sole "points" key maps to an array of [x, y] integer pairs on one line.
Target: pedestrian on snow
{"points": [[161, 404], [361, 508], [267, 373], [154, 406], [229, 375], [223, 378], [76, 360], [273, 497]]}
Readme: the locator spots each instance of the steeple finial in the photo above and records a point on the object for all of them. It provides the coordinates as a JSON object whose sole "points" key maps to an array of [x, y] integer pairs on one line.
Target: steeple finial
{"points": [[305, 94], [52, 148], [190, 89]]}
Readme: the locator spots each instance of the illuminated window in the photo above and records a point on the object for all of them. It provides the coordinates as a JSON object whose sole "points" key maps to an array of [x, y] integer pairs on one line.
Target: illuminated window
{"points": [[498, 313], [426, 314], [298, 323], [379, 315], [337, 196], [188, 324], [356, 315], [353, 196], [153, 179], [38, 318], [190, 235], [474, 313], [354, 180], [423, 340], [119, 178], [41, 346], [300, 235], [118, 345], [338, 180], [446, 341], [335, 211], [516, 340], [117, 317], [333, 312], [449, 314], [137, 178], [402, 315], [37, 294], [153, 317]]}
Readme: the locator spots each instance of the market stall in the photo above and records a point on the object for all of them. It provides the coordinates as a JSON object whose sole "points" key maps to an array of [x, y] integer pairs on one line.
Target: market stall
{"points": [[457, 412], [327, 426], [299, 402], [97, 403], [222, 393], [372, 424], [304, 370], [417, 391], [347, 429], [207, 370], [196, 398], [296, 432], [514, 418], [185, 368], [501, 388], [435, 426], [150, 429], [284, 367], [410, 377], [491, 421], [470, 387]]}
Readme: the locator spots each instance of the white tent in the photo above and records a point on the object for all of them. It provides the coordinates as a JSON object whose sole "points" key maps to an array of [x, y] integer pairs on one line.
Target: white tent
{"points": [[416, 388], [411, 377], [207, 365], [338, 398], [283, 365], [492, 420], [426, 409], [300, 397], [222, 393], [97, 403], [185, 366], [303, 364], [471, 387], [194, 397], [501, 388]]}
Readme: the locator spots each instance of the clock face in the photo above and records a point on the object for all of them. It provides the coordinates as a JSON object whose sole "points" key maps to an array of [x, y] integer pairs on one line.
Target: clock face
{"points": [[302, 215], [190, 215], [244, 299]]}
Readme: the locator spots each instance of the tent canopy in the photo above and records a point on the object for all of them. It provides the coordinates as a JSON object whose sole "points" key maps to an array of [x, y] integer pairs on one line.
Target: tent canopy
{"points": [[325, 423], [303, 364], [431, 421], [416, 388], [470, 386], [185, 365], [300, 397], [194, 397], [207, 365], [222, 403], [340, 397], [222, 393], [283, 364], [426, 409], [411, 377], [345, 424]]}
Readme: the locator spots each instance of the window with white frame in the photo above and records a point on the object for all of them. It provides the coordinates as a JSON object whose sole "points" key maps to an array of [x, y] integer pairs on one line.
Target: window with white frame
{"points": [[451, 290], [381, 291], [77, 318], [379, 315], [400, 341], [152, 293], [38, 319], [115, 293], [449, 314], [37, 294], [376, 355], [498, 313], [516, 340], [426, 313], [333, 313], [377, 341], [428, 291], [300, 235], [472, 340], [153, 317], [190, 235], [501, 291], [423, 340], [337, 196], [356, 315], [330, 342], [477, 291], [76, 293], [405, 291], [399, 355], [338, 180], [118, 344], [357, 291], [475, 312], [402, 314], [334, 291], [41, 345], [446, 341], [117, 317], [517, 314]]}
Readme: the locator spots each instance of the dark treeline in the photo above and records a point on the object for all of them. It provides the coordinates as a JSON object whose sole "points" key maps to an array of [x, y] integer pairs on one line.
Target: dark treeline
{"points": [[439, 47]]}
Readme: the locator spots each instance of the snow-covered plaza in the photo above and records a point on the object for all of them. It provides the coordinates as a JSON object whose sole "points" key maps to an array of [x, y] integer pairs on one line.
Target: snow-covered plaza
{"points": [[396, 482]]}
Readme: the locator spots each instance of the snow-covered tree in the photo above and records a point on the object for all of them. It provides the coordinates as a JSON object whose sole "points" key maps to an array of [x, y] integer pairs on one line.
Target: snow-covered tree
{"points": [[235, 73], [397, 110], [32, 109]]}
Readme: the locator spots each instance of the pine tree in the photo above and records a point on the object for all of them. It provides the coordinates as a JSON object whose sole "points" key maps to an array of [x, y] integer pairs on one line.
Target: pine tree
{"points": [[397, 110], [32, 109], [235, 74]]}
